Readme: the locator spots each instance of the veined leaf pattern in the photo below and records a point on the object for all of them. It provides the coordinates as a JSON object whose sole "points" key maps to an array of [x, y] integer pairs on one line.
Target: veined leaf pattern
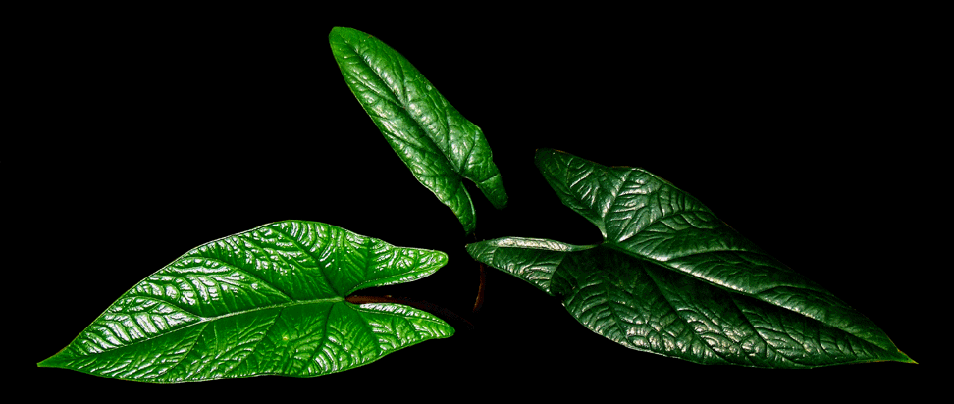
{"points": [[267, 301], [671, 278], [436, 143]]}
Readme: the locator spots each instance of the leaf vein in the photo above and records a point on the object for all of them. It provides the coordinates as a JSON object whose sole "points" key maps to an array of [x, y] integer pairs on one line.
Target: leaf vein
{"points": [[247, 273], [307, 251], [682, 319], [184, 355]]}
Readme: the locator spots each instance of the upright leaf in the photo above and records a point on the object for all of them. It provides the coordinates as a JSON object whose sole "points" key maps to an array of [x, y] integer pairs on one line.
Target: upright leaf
{"points": [[267, 301], [671, 278], [436, 143]]}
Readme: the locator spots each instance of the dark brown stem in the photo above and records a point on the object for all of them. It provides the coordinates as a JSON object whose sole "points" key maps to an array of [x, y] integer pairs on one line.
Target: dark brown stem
{"points": [[479, 302], [418, 304], [480, 288]]}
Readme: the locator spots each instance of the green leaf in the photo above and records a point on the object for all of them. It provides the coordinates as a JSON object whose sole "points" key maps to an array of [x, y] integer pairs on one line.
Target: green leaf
{"points": [[267, 301], [436, 143], [672, 279]]}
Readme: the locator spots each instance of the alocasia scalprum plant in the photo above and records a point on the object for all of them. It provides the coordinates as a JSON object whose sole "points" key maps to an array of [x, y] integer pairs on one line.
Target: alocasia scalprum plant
{"points": [[635, 284]]}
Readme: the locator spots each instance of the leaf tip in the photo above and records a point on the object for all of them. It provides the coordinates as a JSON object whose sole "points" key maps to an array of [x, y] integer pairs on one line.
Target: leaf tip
{"points": [[343, 33], [48, 363], [542, 151], [544, 154], [339, 30], [442, 258], [907, 359], [471, 249]]}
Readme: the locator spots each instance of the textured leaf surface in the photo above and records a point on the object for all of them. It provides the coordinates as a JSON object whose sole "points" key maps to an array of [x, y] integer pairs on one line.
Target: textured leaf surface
{"points": [[268, 301], [671, 278], [436, 143]]}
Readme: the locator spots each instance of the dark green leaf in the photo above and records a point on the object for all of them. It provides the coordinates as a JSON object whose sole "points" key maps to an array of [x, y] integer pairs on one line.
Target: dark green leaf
{"points": [[671, 278], [436, 143], [267, 301]]}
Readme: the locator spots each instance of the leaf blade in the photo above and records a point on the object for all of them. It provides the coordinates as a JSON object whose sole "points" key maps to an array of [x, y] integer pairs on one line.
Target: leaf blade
{"points": [[674, 237], [647, 307], [226, 308], [433, 140]]}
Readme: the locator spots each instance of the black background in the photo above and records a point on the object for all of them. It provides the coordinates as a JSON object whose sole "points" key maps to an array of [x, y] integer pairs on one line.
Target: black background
{"points": [[164, 131]]}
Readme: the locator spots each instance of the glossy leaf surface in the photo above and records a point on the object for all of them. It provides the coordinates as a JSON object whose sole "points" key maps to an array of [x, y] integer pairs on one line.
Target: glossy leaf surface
{"points": [[436, 143], [267, 301], [671, 278]]}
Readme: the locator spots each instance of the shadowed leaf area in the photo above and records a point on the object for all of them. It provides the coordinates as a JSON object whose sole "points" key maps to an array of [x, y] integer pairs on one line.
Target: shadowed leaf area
{"points": [[672, 279]]}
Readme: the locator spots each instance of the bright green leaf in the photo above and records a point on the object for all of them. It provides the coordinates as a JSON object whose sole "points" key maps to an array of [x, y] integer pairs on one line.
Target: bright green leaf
{"points": [[671, 278], [436, 143], [267, 301]]}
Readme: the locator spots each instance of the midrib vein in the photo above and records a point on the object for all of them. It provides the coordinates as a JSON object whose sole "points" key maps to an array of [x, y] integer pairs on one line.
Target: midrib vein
{"points": [[274, 306], [206, 320]]}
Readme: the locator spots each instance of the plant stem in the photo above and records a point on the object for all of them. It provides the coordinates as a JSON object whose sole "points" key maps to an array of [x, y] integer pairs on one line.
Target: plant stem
{"points": [[479, 302], [480, 289]]}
